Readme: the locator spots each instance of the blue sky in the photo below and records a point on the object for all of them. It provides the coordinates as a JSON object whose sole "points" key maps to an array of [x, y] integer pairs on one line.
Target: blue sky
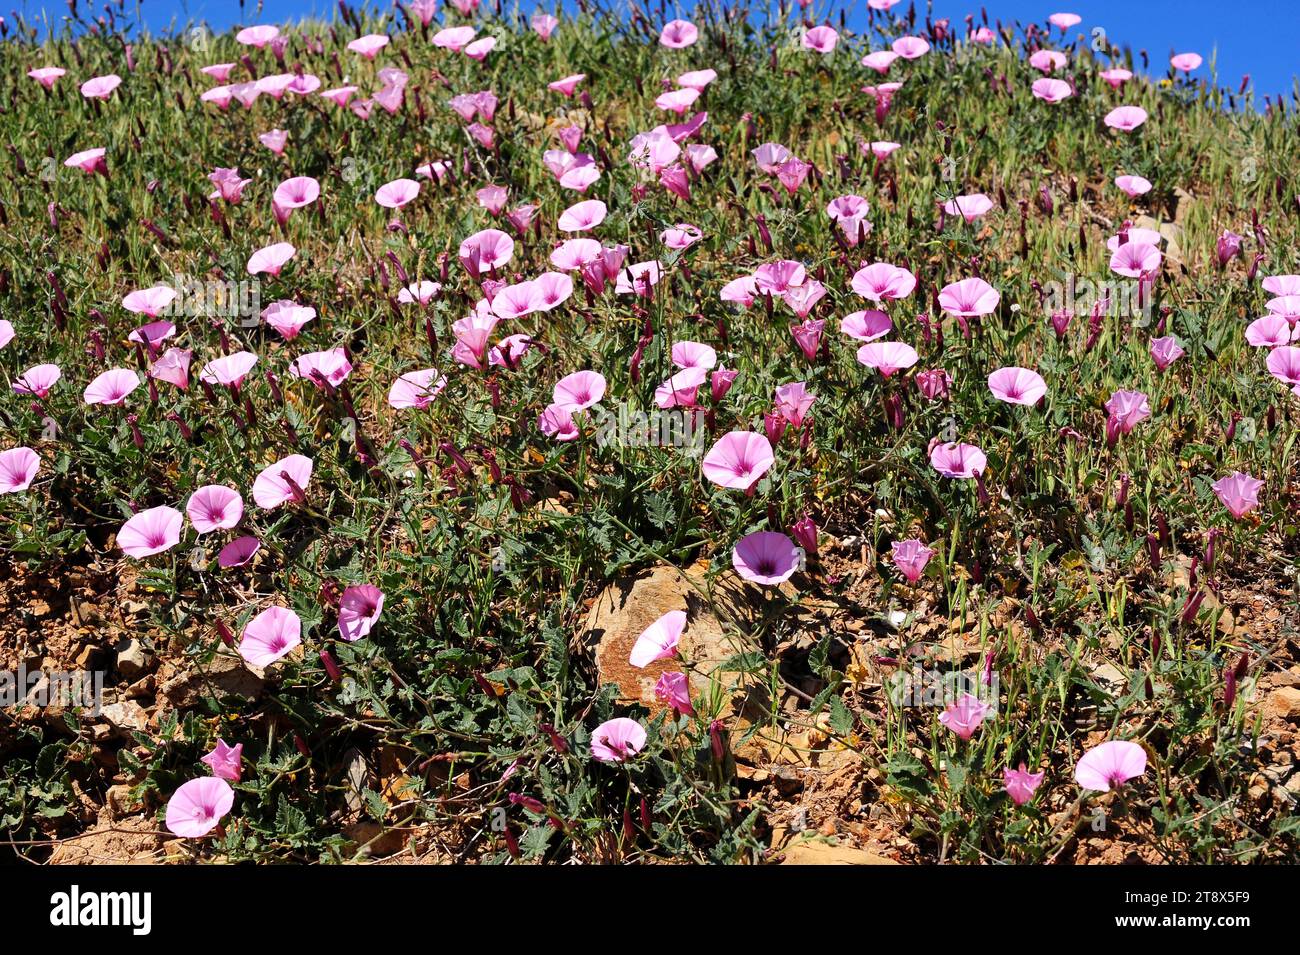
{"points": [[1259, 37]]}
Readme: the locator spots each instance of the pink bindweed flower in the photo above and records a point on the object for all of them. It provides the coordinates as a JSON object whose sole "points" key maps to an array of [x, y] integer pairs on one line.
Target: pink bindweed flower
{"points": [[1135, 236], [1239, 493], [285, 480], [969, 298], [421, 292], [866, 326], [89, 161], [910, 557], [910, 47], [112, 387], [1052, 90], [1135, 260], [1017, 386], [1185, 61], [682, 389], [219, 95], [1126, 118], [681, 236], [1165, 351], [1020, 784], [659, 640], [677, 101], [579, 391], [881, 281], [880, 148], [18, 468], [1271, 331], [887, 357], [480, 48], [1282, 285], [100, 87], [293, 194], [486, 250], [173, 367], [198, 806], [693, 355], [934, 383], [229, 370], [964, 715], [697, 79], [1112, 763], [582, 216], [958, 460], [1048, 61], [1126, 410], [225, 761], [257, 36], [792, 173], [566, 85], [274, 140], [808, 336], [849, 213], [287, 317], [395, 194], [454, 39], [678, 34], [1064, 21], [1133, 186], [556, 422], [543, 25], [238, 552], [416, 389], [214, 507], [1288, 306], [493, 199], [970, 207], [46, 75], [770, 157], [270, 259], [820, 39], [617, 740], [766, 557], [150, 301], [152, 335], [738, 460], [639, 279], [880, 60], [368, 45], [150, 532], [777, 278], [359, 609], [38, 380], [793, 401], [1116, 77], [230, 186], [673, 689], [270, 635]]}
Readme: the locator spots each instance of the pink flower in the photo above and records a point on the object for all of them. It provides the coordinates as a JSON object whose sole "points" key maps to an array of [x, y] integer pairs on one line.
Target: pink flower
{"points": [[1133, 185], [697, 79], [887, 357], [214, 507], [1239, 493], [566, 85], [693, 355], [225, 761], [910, 557], [821, 39], [293, 194], [1185, 61], [970, 207], [617, 740], [1017, 386], [677, 101], [765, 557], [1135, 260], [238, 552], [793, 401], [678, 34], [258, 36], [1116, 77], [1112, 763], [1282, 285], [579, 391], [738, 459], [287, 317], [659, 640], [681, 236], [1126, 118], [270, 635], [150, 301], [150, 532], [88, 160], [880, 60], [359, 610], [1047, 61], [543, 25], [322, 367], [100, 87], [422, 292], [557, 422], [368, 45], [681, 389], [173, 367], [934, 383], [965, 715], [285, 480], [197, 807], [152, 335], [910, 47], [808, 336], [1127, 409], [1165, 351], [454, 38], [957, 460], [37, 380], [969, 298], [395, 194], [416, 389], [881, 281], [674, 689], [46, 75], [270, 259], [770, 157], [866, 326], [486, 250], [274, 140], [230, 186], [1021, 785], [229, 370], [1052, 90], [1064, 21], [18, 467], [639, 279], [582, 216], [112, 387], [1271, 331]]}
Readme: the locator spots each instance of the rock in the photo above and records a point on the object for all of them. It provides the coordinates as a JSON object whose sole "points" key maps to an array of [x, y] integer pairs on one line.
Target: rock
{"points": [[626, 607], [817, 852], [226, 675], [89, 658], [373, 841], [133, 841], [1285, 702], [119, 801], [126, 716], [132, 658]]}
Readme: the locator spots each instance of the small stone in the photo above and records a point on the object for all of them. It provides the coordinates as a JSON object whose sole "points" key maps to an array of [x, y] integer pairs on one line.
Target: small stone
{"points": [[132, 657], [127, 716], [1285, 702]]}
